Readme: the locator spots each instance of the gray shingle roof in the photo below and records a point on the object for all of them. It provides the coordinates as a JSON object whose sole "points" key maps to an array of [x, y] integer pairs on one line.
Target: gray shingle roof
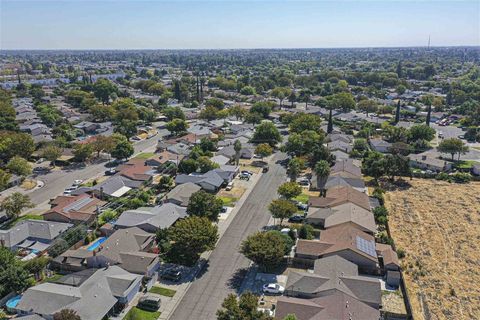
{"points": [[158, 217], [182, 193], [37, 229]]}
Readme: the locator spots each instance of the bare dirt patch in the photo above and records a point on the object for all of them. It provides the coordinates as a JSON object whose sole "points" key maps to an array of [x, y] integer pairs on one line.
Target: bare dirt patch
{"points": [[438, 225]]}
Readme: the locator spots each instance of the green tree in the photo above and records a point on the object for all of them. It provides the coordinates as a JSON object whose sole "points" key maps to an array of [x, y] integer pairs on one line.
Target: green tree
{"points": [[396, 165], [190, 237], [244, 308], [453, 146], [421, 132], [248, 91], [205, 164], [237, 111], [15, 144], [263, 150], [281, 93], [304, 121], [264, 108], [13, 276], [173, 113], [306, 232], [367, 105], [103, 143], [237, 146], [102, 112], [343, 101], [103, 89], [266, 132], [374, 165], [265, 249], [83, 152], [289, 190], [123, 150], [322, 171], [209, 113], [4, 179], [188, 166], [295, 166], [15, 203], [19, 166], [282, 209], [177, 126], [51, 153], [204, 204]]}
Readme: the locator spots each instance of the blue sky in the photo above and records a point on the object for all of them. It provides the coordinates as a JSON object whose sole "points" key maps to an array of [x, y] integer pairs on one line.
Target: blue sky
{"points": [[137, 24]]}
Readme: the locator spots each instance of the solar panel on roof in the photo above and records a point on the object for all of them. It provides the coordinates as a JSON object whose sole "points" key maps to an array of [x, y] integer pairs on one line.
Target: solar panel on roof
{"points": [[77, 205], [366, 246]]}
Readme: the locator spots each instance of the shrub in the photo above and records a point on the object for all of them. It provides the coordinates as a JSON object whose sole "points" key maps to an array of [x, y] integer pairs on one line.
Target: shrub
{"points": [[400, 253], [305, 232], [461, 177]]}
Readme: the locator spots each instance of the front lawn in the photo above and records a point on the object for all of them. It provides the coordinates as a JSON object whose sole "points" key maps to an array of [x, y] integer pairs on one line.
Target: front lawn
{"points": [[162, 291], [13, 222], [139, 314], [144, 155], [465, 164], [228, 201], [303, 198]]}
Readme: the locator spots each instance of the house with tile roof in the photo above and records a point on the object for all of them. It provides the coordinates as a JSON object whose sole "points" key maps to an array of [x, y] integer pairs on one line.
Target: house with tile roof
{"points": [[74, 209]]}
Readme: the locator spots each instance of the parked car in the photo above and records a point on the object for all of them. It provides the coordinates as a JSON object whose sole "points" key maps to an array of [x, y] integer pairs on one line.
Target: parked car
{"points": [[302, 206], [172, 275], [41, 170], [273, 288], [247, 172], [265, 169], [110, 172], [229, 186], [296, 219], [223, 210], [150, 302], [244, 176], [69, 190], [77, 182], [304, 182]]}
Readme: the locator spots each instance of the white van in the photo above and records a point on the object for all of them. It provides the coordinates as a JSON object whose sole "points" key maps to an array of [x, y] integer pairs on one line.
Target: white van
{"points": [[229, 186]]}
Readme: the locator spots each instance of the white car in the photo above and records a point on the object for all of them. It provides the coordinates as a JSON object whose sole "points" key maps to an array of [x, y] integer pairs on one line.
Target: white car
{"points": [[273, 288], [69, 190], [77, 182]]}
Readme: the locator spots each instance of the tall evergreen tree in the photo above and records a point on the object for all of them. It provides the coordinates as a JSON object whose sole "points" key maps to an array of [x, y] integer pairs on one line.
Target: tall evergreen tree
{"points": [[397, 113]]}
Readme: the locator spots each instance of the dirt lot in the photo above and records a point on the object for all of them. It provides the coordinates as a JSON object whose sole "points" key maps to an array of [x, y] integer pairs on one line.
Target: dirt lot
{"points": [[438, 226]]}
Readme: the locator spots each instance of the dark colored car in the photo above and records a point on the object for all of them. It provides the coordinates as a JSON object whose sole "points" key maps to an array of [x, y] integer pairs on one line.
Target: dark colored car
{"points": [[110, 172], [296, 219], [172, 275], [265, 169]]}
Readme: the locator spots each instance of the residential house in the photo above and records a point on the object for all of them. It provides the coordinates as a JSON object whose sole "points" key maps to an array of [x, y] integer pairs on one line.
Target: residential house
{"points": [[347, 213], [129, 248], [338, 180], [346, 168], [340, 155], [339, 145], [180, 195], [340, 195], [209, 181], [344, 240], [331, 275], [380, 145], [337, 306], [246, 152], [428, 161], [163, 157], [340, 137], [34, 235], [389, 263], [87, 127], [138, 170], [115, 186], [220, 159], [150, 219], [476, 169], [93, 294], [74, 209]]}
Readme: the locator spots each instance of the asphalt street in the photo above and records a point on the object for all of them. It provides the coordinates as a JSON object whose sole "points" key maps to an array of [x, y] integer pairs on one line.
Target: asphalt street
{"points": [[57, 181], [206, 294]]}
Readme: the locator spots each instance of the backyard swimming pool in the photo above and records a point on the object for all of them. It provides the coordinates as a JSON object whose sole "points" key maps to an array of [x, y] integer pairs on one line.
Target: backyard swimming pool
{"points": [[12, 303], [96, 244]]}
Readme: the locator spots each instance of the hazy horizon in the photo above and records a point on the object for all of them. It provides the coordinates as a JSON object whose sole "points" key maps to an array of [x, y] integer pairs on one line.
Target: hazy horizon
{"points": [[230, 25]]}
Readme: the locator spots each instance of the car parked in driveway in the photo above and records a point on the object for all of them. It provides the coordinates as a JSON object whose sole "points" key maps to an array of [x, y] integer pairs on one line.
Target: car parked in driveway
{"points": [[172, 275], [69, 190], [110, 172], [250, 173], [273, 288], [296, 219]]}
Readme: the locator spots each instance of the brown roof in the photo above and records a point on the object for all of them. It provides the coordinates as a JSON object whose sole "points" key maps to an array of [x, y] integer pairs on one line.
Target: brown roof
{"points": [[337, 306], [78, 208], [136, 169], [189, 138], [165, 156], [390, 257], [340, 238], [340, 195]]}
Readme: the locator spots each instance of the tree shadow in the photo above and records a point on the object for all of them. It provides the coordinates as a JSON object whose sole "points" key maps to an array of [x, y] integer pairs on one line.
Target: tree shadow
{"points": [[398, 185], [236, 281]]}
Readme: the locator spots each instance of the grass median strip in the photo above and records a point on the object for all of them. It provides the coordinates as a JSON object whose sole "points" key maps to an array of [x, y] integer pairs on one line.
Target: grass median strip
{"points": [[163, 291], [139, 314]]}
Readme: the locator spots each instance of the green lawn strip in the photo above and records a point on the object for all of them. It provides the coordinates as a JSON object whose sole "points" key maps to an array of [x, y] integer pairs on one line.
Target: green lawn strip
{"points": [[302, 198], [162, 291], [228, 202], [139, 314], [144, 155], [465, 164], [54, 278], [21, 218]]}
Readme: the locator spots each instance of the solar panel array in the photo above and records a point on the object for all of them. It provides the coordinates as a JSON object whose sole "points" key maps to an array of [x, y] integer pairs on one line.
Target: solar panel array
{"points": [[77, 205], [366, 246]]}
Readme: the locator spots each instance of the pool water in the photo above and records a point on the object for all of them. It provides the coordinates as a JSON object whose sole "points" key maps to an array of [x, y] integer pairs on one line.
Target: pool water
{"points": [[96, 244], [12, 302]]}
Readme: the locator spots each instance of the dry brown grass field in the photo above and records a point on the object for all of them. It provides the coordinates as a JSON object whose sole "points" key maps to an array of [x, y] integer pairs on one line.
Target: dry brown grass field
{"points": [[438, 225]]}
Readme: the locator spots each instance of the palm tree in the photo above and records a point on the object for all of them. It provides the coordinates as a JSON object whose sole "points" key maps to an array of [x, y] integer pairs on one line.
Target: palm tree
{"points": [[237, 146], [322, 170], [295, 166]]}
